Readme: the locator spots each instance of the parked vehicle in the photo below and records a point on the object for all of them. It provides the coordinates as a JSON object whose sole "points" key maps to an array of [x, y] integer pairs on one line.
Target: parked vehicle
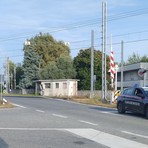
{"points": [[134, 99]]}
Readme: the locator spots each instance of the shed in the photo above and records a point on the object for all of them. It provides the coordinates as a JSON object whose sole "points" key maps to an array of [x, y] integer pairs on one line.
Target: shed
{"points": [[57, 87]]}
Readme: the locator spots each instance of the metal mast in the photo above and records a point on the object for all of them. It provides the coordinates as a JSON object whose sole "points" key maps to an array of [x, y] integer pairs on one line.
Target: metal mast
{"points": [[92, 64], [104, 51], [122, 64]]}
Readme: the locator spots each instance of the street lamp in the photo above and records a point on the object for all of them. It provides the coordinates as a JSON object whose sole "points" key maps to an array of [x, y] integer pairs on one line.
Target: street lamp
{"points": [[27, 42]]}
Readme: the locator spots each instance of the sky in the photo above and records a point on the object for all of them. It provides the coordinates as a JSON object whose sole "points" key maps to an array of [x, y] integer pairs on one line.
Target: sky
{"points": [[72, 21]]}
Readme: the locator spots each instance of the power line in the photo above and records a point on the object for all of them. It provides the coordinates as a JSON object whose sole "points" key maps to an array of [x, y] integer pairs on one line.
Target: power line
{"points": [[118, 35], [116, 43], [91, 22], [85, 47]]}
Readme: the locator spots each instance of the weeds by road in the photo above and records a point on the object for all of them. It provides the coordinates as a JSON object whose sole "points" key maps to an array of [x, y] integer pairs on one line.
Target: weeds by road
{"points": [[79, 99]]}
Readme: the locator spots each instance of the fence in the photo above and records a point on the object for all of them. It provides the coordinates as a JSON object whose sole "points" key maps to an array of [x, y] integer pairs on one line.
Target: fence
{"points": [[86, 93]]}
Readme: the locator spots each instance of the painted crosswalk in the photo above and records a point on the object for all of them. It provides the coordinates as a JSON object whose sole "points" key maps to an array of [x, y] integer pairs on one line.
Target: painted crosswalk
{"points": [[97, 136], [106, 139]]}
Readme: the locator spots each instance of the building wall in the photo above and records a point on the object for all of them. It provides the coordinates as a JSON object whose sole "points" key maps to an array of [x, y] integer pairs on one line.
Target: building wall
{"points": [[59, 88], [130, 75]]}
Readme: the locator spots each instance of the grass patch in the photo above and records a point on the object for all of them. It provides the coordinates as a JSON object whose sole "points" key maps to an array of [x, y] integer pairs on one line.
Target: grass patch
{"points": [[6, 105], [97, 102], [87, 100]]}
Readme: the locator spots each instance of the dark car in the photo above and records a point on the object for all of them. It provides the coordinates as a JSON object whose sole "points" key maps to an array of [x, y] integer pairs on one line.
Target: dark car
{"points": [[134, 99]]}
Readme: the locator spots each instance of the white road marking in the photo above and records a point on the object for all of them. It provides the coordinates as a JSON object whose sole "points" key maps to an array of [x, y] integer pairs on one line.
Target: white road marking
{"points": [[33, 129], [143, 136], [91, 134], [88, 122], [41, 111], [107, 139], [19, 105], [61, 116], [111, 113]]}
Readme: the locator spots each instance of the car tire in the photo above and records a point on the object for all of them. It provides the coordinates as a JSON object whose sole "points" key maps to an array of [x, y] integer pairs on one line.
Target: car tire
{"points": [[120, 108], [146, 112]]}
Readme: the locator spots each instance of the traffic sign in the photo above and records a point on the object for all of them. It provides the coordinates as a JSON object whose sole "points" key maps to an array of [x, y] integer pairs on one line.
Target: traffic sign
{"points": [[141, 72]]}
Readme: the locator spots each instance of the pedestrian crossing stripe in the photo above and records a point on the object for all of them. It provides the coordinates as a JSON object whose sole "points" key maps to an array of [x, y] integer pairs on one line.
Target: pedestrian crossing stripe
{"points": [[106, 139]]}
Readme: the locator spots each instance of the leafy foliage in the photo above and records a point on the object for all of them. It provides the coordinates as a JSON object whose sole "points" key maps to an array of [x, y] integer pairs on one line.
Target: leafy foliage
{"points": [[62, 69], [144, 59], [12, 74], [45, 58], [135, 58], [48, 48], [30, 68], [19, 74], [82, 63]]}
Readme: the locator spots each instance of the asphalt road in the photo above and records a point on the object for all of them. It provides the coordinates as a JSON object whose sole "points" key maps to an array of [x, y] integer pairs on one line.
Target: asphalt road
{"points": [[37, 122]]}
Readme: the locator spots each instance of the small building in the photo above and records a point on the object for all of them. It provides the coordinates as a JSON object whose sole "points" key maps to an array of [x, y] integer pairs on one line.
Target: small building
{"points": [[57, 87], [130, 75]]}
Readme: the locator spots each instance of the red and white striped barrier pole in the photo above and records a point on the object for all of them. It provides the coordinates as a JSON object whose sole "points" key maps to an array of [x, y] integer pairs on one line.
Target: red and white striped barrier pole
{"points": [[112, 72]]}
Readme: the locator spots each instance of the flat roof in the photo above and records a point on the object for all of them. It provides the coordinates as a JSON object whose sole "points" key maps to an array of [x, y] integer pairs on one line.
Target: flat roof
{"points": [[56, 80], [135, 66]]}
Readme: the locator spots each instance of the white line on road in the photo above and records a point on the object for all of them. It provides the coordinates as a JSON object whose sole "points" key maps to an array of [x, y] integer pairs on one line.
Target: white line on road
{"points": [[19, 105], [88, 122], [41, 111], [61, 116], [143, 136], [111, 113], [106, 139], [32, 129], [100, 137]]}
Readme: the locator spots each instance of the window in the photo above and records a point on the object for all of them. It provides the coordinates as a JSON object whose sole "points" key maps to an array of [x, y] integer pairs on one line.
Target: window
{"points": [[128, 91], [47, 85], [146, 91], [138, 91], [57, 85], [64, 85]]}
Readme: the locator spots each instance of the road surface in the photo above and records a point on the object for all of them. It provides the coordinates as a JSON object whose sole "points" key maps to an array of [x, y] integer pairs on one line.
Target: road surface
{"points": [[36, 122]]}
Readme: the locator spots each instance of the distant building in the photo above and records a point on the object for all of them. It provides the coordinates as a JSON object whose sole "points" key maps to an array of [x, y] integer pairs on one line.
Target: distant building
{"points": [[58, 87], [130, 75]]}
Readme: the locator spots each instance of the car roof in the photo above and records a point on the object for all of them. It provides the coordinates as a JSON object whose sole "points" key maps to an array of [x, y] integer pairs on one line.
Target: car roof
{"points": [[145, 88]]}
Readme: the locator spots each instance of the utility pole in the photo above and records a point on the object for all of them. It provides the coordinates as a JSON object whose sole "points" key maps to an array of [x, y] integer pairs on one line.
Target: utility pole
{"points": [[14, 77], [92, 64], [104, 88], [122, 62], [7, 75]]}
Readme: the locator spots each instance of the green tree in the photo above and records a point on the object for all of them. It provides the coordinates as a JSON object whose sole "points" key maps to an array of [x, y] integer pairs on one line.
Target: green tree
{"points": [[41, 57], [30, 67], [48, 48], [19, 75], [82, 63], [144, 59], [65, 64], [51, 71], [12, 74], [134, 58], [61, 69]]}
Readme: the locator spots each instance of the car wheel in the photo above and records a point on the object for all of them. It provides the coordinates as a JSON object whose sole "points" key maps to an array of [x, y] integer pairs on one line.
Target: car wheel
{"points": [[120, 108], [146, 112]]}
